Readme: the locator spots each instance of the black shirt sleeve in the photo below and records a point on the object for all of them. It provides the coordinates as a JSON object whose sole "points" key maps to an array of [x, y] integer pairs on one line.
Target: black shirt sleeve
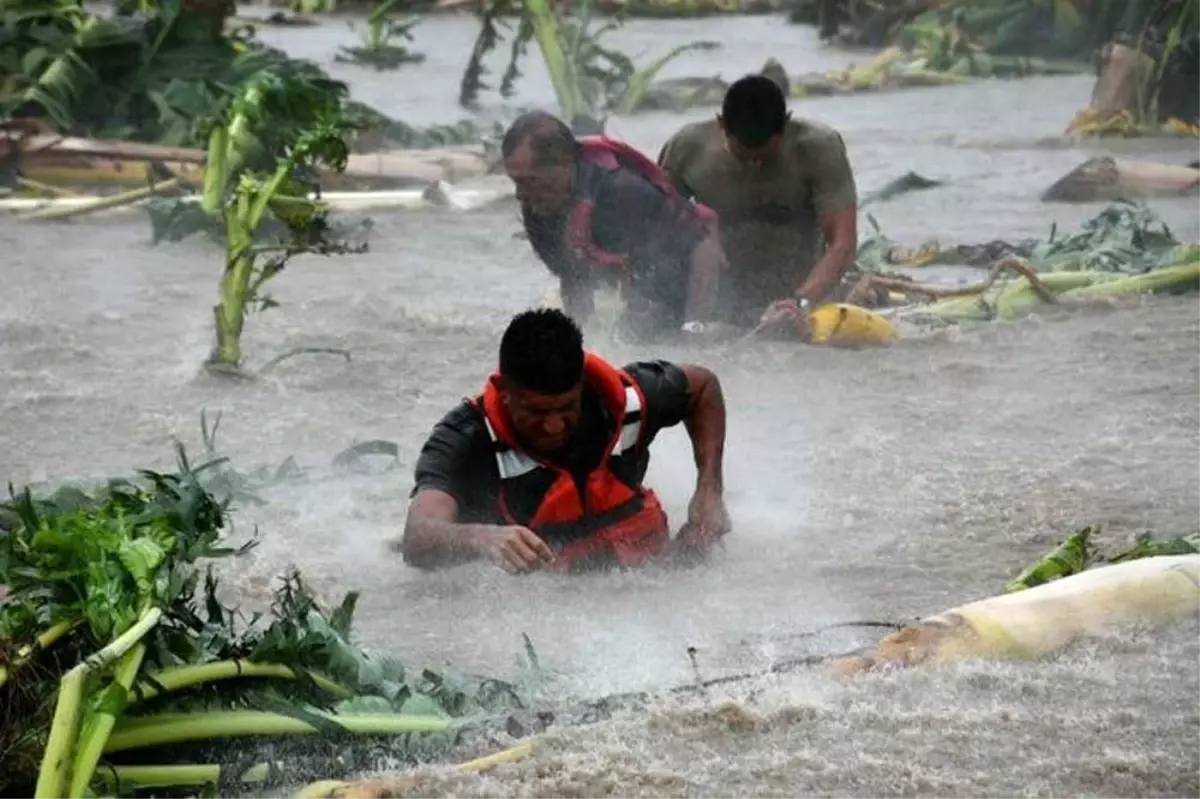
{"points": [[667, 394], [452, 456]]}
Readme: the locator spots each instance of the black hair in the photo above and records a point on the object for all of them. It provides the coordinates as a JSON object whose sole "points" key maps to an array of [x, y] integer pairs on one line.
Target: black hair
{"points": [[754, 110], [549, 137], [542, 351]]}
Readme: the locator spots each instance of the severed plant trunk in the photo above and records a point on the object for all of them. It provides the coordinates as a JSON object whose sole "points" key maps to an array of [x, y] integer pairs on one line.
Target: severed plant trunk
{"points": [[1125, 83]]}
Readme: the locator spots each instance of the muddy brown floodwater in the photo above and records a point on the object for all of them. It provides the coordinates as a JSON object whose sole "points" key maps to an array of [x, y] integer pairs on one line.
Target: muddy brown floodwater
{"points": [[877, 484]]}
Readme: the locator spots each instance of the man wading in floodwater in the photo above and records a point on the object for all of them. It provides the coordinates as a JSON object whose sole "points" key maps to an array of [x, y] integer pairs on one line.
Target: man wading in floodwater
{"points": [[544, 468], [785, 194], [598, 212]]}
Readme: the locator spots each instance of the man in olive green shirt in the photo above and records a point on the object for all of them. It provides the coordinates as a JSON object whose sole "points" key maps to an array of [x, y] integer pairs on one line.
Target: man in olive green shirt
{"points": [[785, 194]]}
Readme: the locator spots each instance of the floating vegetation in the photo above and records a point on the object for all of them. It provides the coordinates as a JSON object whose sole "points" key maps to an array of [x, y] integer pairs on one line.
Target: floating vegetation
{"points": [[1124, 250]]}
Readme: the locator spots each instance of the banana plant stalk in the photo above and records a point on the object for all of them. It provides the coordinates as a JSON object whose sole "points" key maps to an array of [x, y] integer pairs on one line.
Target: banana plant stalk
{"points": [[243, 218], [562, 72], [172, 728], [56, 770], [187, 676], [99, 726], [378, 25], [227, 146]]}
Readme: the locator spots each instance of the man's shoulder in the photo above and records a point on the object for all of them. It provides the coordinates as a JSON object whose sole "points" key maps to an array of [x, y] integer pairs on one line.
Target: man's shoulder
{"points": [[689, 140], [463, 423], [810, 137], [654, 376], [697, 133]]}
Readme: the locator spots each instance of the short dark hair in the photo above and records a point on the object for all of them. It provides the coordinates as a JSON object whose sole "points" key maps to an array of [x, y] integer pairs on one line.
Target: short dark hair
{"points": [[754, 110], [549, 137], [542, 351]]}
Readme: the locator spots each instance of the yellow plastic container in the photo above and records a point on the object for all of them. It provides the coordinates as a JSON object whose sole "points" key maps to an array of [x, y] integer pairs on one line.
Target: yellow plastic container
{"points": [[837, 324]]}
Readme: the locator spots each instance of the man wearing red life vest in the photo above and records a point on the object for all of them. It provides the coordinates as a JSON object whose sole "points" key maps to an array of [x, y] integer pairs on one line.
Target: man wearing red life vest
{"points": [[598, 212], [544, 467]]}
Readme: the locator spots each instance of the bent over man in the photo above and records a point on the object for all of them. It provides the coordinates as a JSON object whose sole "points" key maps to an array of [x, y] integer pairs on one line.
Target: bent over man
{"points": [[785, 194], [544, 468], [598, 212]]}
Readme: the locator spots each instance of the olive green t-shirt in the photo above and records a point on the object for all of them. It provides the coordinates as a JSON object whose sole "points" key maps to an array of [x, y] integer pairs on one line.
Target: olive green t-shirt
{"points": [[769, 217]]}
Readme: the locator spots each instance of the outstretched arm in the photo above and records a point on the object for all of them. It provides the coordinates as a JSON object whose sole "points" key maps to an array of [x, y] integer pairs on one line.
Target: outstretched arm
{"points": [[704, 279], [433, 537], [692, 395], [705, 423]]}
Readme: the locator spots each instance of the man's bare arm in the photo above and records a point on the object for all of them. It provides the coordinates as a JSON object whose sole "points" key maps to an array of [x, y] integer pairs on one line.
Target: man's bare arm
{"points": [[705, 423], [840, 230], [835, 196], [432, 535], [704, 278]]}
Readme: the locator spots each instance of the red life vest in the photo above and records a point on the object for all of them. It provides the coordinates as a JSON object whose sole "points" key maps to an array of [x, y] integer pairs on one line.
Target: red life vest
{"points": [[616, 514], [600, 155]]}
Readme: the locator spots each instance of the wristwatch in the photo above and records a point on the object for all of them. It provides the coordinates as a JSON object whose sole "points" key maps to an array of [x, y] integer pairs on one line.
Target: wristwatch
{"points": [[802, 302]]}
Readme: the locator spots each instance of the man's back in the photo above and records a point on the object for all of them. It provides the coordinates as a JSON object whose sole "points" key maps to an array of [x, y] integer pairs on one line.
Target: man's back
{"points": [[769, 216]]}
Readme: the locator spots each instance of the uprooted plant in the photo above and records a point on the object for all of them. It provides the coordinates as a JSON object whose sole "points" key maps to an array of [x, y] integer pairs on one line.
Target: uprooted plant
{"points": [[590, 80], [120, 666]]}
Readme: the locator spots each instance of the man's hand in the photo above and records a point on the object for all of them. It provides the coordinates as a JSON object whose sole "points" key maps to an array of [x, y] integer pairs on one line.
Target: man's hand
{"points": [[707, 521], [515, 549], [787, 315]]}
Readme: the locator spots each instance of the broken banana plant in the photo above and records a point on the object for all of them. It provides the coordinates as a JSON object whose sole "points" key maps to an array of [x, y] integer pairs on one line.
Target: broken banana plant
{"points": [[590, 80]]}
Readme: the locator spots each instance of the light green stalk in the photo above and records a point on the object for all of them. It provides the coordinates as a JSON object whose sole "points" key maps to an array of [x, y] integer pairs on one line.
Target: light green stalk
{"points": [[99, 726], [176, 776], [1166, 279], [172, 728], [377, 25], [241, 223], [56, 762], [55, 772], [187, 676], [216, 173], [562, 71]]}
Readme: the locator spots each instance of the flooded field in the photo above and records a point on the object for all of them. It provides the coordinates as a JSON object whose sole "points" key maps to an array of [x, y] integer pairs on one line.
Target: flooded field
{"points": [[863, 485]]}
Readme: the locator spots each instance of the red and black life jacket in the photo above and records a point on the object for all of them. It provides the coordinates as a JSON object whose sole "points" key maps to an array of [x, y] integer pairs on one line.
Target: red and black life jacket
{"points": [[599, 156], [615, 515]]}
